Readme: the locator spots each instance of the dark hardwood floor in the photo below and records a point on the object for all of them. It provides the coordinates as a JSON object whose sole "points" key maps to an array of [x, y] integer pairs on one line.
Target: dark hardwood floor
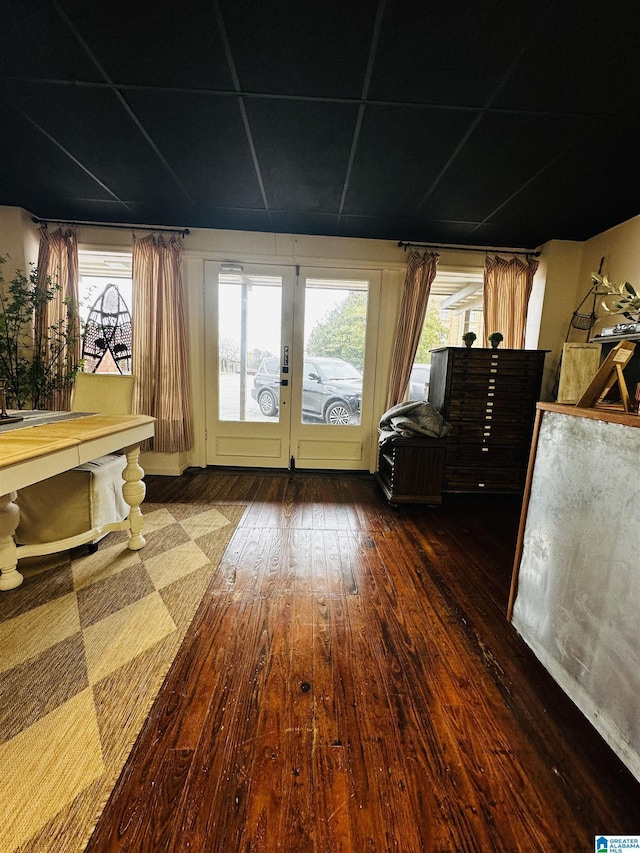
{"points": [[351, 684]]}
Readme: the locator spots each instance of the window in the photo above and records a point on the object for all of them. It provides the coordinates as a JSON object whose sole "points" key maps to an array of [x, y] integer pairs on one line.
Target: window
{"points": [[455, 307], [106, 297]]}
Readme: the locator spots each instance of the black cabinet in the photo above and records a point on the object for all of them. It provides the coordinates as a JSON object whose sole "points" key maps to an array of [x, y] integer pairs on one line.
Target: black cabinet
{"points": [[410, 470], [489, 397]]}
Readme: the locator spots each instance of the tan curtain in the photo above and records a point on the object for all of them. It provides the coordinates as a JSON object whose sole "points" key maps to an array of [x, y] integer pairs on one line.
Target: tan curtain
{"points": [[421, 270], [507, 288], [160, 362], [58, 261]]}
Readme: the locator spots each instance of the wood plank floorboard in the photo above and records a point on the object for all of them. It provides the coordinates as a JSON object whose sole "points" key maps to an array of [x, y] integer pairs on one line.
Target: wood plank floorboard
{"points": [[350, 684]]}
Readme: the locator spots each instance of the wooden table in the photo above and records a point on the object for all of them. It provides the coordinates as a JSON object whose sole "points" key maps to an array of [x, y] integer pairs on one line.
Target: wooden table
{"points": [[33, 453]]}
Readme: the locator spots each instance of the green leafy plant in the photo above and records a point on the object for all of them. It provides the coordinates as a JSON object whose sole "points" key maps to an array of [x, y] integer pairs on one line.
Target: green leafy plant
{"points": [[34, 359], [495, 338], [620, 298], [629, 303], [469, 338]]}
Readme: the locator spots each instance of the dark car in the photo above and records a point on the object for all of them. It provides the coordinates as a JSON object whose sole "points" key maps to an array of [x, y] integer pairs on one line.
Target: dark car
{"points": [[331, 389], [419, 382]]}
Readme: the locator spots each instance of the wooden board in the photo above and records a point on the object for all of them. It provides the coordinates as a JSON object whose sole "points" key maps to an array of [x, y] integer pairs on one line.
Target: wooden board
{"points": [[580, 363], [609, 373]]}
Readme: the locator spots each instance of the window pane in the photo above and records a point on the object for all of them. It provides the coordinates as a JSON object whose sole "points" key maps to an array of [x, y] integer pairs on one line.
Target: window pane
{"points": [[334, 344], [455, 307], [105, 311]]}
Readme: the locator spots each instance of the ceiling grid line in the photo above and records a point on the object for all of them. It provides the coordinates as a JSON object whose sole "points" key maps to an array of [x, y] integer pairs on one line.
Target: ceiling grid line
{"points": [[478, 119], [64, 151], [555, 159], [119, 96], [373, 48], [243, 110], [318, 99]]}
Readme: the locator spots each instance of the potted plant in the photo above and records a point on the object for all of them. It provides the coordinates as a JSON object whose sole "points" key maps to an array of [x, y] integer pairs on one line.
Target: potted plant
{"points": [[469, 338], [34, 361], [495, 338]]}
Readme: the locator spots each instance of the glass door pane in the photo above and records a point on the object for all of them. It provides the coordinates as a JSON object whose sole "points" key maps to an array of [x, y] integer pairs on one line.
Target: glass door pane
{"points": [[248, 333], [335, 321], [335, 329], [249, 341]]}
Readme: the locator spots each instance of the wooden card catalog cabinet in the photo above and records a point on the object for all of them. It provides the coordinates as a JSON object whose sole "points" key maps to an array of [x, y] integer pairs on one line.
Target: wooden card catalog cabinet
{"points": [[489, 397]]}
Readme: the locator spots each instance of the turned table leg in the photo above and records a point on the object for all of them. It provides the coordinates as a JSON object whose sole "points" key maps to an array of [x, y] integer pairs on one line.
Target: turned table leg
{"points": [[10, 577], [133, 491]]}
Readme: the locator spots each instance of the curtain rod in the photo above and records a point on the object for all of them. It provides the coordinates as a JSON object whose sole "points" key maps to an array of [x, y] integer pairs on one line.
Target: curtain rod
{"points": [[529, 253], [39, 221]]}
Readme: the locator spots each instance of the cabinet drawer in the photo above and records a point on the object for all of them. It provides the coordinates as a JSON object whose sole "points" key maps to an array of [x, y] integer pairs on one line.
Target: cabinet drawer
{"points": [[474, 409], [488, 454], [516, 431], [463, 479]]}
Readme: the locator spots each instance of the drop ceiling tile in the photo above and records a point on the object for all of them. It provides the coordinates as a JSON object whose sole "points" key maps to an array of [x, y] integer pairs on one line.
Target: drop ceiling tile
{"points": [[581, 194], [36, 42], [303, 151], [144, 43], [204, 140], [399, 155], [442, 231], [499, 157], [202, 216], [376, 227], [580, 61], [96, 130], [34, 169], [300, 48], [305, 223], [451, 53]]}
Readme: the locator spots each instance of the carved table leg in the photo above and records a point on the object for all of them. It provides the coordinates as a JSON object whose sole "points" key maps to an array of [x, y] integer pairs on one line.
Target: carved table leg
{"points": [[10, 577], [133, 491]]}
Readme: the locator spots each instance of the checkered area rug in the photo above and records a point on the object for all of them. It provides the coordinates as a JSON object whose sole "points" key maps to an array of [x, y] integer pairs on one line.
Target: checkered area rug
{"points": [[85, 644]]}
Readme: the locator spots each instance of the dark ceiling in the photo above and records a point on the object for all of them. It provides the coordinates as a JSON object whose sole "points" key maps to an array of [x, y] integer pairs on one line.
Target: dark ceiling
{"points": [[472, 122]]}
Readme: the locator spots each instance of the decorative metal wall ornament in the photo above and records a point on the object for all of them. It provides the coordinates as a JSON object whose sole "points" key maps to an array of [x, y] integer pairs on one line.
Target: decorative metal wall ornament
{"points": [[108, 331]]}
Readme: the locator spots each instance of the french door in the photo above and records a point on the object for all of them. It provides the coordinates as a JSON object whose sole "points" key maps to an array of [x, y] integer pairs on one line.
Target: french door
{"points": [[290, 365]]}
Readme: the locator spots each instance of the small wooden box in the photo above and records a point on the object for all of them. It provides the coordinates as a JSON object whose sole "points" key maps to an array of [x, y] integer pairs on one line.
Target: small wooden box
{"points": [[580, 363]]}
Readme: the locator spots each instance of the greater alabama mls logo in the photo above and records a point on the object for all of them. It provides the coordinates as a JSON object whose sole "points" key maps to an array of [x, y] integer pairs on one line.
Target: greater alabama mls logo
{"points": [[616, 843]]}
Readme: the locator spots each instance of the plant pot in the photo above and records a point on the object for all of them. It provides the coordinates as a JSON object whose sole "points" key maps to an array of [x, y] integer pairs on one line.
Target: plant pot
{"points": [[495, 344]]}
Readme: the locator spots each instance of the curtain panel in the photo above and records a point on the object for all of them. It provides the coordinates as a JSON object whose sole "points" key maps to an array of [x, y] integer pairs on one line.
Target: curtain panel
{"points": [[421, 271], [507, 288], [160, 363], [58, 261]]}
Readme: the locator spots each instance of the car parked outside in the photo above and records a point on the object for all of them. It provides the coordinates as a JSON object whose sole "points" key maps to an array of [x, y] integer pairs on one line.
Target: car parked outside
{"points": [[419, 382], [331, 389]]}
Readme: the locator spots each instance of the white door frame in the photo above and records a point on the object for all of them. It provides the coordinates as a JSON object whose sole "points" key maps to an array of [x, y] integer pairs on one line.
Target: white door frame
{"points": [[274, 444]]}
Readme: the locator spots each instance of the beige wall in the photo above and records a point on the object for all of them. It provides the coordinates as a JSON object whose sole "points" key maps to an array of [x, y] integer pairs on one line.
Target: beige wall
{"points": [[18, 240], [553, 301], [620, 248], [566, 269], [561, 282]]}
